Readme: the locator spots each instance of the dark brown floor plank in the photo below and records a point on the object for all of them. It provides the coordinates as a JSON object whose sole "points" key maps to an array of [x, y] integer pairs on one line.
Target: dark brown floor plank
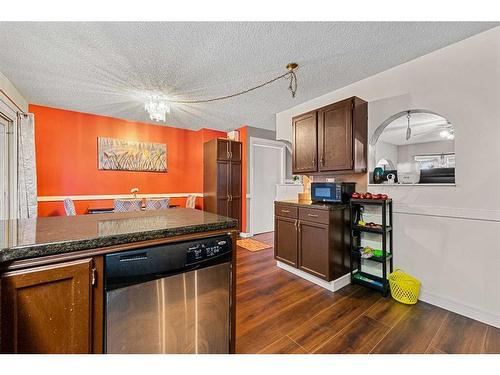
{"points": [[253, 307], [492, 341], [414, 332], [316, 331], [460, 335], [360, 337], [285, 345], [388, 311], [282, 321], [433, 350]]}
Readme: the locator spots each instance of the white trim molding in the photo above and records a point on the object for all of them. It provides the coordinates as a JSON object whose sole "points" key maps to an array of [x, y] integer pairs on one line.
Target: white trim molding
{"points": [[460, 308], [268, 143], [60, 198], [332, 286]]}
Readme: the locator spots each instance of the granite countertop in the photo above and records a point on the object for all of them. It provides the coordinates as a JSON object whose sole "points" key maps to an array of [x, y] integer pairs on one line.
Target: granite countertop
{"points": [[315, 205], [37, 237]]}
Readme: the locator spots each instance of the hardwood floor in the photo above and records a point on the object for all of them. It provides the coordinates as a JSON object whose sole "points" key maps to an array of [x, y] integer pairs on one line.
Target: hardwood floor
{"points": [[278, 312]]}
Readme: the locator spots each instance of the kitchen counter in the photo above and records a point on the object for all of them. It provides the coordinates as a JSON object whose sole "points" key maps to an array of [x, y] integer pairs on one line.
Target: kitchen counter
{"points": [[316, 205], [38, 237]]}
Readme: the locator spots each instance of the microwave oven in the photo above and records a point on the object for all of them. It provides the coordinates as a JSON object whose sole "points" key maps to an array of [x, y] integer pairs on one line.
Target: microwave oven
{"points": [[332, 192]]}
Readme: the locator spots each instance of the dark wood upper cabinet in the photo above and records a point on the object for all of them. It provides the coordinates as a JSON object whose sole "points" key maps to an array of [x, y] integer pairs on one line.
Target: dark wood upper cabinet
{"points": [[222, 178], [305, 143], [235, 149], [341, 131], [48, 309], [223, 149], [228, 150], [335, 137]]}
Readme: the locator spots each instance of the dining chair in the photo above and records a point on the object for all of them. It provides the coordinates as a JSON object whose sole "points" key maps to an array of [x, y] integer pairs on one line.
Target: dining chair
{"points": [[191, 201], [127, 205], [157, 204], [69, 207]]}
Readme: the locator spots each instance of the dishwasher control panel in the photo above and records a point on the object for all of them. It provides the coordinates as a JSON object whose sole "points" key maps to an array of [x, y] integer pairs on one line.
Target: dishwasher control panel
{"points": [[207, 249]]}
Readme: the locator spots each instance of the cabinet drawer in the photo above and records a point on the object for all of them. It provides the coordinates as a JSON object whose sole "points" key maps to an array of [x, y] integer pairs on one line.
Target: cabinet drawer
{"points": [[317, 216], [286, 211]]}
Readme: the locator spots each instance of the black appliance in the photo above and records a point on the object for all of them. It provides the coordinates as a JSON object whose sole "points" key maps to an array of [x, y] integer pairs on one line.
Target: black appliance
{"points": [[332, 192], [437, 176]]}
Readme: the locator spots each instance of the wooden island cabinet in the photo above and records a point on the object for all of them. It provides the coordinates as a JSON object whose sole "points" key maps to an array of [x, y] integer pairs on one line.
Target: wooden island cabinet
{"points": [[313, 238], [53, 308]]}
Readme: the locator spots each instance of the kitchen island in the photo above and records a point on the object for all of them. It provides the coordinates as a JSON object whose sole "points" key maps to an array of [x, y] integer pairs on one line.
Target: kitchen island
{"points": [[52, 272]]}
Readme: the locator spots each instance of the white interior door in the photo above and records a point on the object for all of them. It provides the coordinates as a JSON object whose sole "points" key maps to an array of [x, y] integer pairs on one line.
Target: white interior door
{"points": [[267, 169], [4, 169]]}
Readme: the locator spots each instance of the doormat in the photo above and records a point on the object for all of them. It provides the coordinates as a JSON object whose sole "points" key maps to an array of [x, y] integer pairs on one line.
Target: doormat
{"points": [[253, 245]]}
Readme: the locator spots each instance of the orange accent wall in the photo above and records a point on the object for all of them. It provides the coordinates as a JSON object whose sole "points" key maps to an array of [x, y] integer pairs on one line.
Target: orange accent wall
{"points": [[66, 157], [244, 168]]}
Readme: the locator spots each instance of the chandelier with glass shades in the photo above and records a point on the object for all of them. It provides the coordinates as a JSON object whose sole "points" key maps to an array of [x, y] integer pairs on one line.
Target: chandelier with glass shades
{"points": [[159, 105]]}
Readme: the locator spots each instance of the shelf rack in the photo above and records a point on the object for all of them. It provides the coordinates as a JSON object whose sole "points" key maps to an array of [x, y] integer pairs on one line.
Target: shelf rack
{"points": [[358, 276]]}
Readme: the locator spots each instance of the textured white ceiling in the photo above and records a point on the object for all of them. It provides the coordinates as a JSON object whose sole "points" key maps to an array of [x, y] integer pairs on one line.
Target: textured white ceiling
{"points": [[109, 68]]}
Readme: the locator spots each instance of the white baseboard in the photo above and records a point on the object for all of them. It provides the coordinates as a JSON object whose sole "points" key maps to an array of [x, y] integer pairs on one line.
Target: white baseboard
{"points": [[60, 198], [332, 286], [245, 235], [460, 308]]}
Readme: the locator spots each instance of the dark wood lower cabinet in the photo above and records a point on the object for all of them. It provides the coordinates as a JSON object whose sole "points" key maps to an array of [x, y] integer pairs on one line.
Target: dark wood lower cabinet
{"points": [[313, 245], [285, 238], [314, 240], [48, 309]]}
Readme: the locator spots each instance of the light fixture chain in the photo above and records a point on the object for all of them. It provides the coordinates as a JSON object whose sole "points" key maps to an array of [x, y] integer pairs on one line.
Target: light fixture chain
{"points": [[292, 87]]}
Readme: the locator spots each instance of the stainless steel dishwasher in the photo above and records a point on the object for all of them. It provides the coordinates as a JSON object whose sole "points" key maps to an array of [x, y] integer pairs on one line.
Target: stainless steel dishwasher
{"points": [[173, 298]]}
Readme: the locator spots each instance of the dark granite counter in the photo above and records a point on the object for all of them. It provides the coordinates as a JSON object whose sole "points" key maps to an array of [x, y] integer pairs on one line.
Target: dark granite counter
{"points": [[315, 205], [31, 238]]}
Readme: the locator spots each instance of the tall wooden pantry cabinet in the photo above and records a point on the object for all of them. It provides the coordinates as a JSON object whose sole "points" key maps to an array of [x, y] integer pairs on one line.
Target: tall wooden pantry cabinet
{"points": [[222, 178]]}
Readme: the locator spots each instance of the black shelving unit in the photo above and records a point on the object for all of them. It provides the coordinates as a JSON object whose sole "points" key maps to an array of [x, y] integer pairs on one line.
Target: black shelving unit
{"points": [[358, 276]]}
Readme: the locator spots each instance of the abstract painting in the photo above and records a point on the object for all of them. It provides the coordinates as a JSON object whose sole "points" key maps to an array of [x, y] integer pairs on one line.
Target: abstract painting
{"points": [[123, 155]]}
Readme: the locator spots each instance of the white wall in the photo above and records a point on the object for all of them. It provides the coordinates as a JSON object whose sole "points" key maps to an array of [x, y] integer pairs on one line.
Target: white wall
{"points": [[386, 151], [12, 92], [407, 152], [448, 236]]}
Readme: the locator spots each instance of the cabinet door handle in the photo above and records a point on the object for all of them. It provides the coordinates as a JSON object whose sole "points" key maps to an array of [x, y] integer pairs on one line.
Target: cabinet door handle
{"points": [[285, 211], [322, 161], [312, 215], [298, 225], [93, 276], [314, 161], [230, 155]]}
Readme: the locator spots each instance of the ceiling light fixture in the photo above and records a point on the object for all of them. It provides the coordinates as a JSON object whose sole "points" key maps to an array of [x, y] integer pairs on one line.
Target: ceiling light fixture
{"points": [[408, 129], [448, 134], [158, 106]]}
